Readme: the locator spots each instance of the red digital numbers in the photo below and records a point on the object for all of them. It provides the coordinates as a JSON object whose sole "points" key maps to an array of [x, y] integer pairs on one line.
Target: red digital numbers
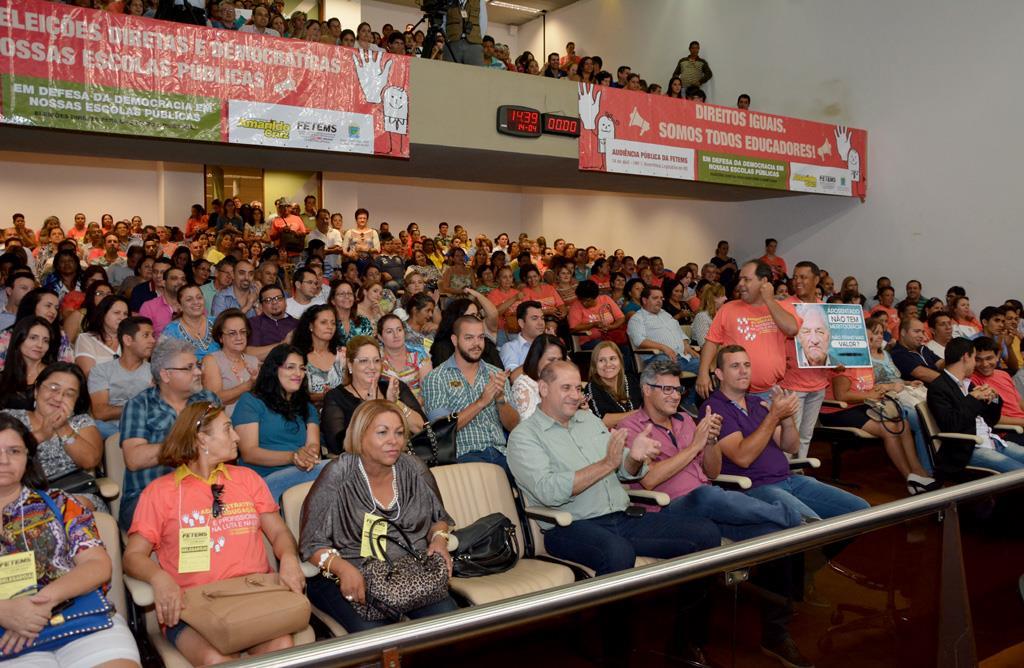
{"points": [[561, 125]]}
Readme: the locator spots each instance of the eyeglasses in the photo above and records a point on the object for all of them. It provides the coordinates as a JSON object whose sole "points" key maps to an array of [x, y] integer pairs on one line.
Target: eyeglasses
{"points": [[202, 417], [55, 388], [272, 300], [14, 452], [218, 507], [190, 368], [366, 360], [667, 390]]}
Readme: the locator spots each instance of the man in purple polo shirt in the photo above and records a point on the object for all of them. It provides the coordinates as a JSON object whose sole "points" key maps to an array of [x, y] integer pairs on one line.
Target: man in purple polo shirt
{"points": [[755, 438], [688, 457], [272, 325]]}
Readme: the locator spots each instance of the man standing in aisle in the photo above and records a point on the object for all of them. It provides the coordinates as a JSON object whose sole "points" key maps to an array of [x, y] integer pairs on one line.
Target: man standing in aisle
{"points": [[693, 70], [755, 321], [808, 385]]}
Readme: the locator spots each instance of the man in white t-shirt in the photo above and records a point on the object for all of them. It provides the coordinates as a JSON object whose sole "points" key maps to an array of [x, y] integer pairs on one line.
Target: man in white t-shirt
{"points": [[331, 238], [305, 292]]}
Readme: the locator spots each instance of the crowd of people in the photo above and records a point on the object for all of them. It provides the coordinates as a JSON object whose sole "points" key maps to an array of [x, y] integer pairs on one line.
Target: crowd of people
{"points": [[248, 353], [461, 40]]}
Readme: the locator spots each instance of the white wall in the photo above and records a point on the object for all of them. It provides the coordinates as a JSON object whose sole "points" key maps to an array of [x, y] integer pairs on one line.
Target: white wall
{"points": [[933, 81], [480, 209], [45, 185]]}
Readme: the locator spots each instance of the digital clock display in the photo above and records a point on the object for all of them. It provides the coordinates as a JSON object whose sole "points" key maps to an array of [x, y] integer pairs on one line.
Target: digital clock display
{"points": [[560, 125], [519, 121]]}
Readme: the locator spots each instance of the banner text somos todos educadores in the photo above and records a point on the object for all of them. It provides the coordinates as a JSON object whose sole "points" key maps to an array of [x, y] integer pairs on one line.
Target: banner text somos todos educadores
{"points": [[652, 135], [81, 69]]}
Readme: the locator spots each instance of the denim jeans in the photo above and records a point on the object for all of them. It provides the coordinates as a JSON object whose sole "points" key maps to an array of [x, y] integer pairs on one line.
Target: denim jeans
{"points": [[281, 481], [612, 542], [326, 595], [807, 416], [737, 515], [1003, 459], [107, 428], [913, 423], [810, 497], [692, 365], [490, 455]]}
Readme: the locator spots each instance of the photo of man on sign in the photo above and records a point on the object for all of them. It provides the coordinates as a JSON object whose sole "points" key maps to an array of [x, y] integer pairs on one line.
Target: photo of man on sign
{"points": [[831, 335]]}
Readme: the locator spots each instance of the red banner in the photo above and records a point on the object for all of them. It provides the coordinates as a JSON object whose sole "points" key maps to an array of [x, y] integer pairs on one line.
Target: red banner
{"points": [[652, 135], [82, 69]]}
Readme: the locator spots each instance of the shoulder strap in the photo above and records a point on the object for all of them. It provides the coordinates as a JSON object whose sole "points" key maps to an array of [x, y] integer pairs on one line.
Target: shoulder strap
{"points": [[51, 505]]}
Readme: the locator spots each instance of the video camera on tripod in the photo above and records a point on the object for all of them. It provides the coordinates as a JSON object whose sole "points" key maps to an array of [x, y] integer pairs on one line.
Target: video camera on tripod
{"points": [[434, 13]]}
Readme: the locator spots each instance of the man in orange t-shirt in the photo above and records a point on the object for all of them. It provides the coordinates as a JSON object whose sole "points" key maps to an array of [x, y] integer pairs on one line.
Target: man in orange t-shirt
{"points": [[78, 230], [758, 323], [808, 385]]}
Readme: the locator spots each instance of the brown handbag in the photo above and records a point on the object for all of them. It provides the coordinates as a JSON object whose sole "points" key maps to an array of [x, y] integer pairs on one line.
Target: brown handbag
{"points": [[239, 613]]}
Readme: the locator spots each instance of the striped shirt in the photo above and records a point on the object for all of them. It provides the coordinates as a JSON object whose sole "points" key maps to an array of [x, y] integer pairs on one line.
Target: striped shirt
{"points": [[446, 391]]}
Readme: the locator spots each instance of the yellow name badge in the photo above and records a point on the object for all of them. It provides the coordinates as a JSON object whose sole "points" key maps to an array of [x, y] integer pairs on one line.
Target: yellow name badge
{"points": [[17, 574], [369, 546], [194, 550]]}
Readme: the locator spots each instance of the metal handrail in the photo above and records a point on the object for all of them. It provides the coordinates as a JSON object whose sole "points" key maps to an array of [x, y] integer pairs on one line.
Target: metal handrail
{"points": [[368, 645]]}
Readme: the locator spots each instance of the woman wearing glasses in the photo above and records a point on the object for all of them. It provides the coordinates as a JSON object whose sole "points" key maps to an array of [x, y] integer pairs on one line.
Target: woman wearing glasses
{"points": [[70, 559], [231, 508], [194, 326], [277, 423], [230, 372], [69, 442], [366, 382]]}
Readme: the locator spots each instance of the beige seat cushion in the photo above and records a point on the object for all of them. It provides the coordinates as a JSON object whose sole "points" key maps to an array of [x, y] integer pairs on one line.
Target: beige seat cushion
{"points": [[527, 576]]}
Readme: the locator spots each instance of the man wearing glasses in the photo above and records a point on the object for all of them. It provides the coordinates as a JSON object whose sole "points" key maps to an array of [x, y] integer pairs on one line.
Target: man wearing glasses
{"points": [[270, 327], [689, 457], [305, 292], [147, 418]]}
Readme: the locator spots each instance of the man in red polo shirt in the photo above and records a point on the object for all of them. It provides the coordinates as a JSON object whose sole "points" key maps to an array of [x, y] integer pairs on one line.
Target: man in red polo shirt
{"points": [[986, 361], [757, 322]]}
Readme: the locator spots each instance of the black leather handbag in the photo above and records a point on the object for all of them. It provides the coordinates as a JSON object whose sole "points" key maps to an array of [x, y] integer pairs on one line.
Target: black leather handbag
{"points": [[486, 547], [435, 445]]}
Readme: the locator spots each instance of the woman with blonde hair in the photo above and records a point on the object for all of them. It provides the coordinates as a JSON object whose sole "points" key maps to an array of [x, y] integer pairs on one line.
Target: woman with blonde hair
{"points": [[374, 478], [712, 296], [611, 393]]}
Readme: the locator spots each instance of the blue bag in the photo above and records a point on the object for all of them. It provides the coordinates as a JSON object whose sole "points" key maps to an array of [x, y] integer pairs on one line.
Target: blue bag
{"points": [[85, 614]]}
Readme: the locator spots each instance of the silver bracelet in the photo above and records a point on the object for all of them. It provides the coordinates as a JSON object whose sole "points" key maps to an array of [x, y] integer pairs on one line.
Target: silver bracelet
{"points": [[324, 557]]}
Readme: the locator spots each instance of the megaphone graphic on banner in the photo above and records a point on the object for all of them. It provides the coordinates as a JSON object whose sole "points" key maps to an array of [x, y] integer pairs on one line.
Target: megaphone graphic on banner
{"points": [[636, 120]]}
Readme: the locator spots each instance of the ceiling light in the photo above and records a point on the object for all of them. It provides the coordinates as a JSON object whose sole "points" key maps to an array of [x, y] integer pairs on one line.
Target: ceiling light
{"points": [[518, 8]]}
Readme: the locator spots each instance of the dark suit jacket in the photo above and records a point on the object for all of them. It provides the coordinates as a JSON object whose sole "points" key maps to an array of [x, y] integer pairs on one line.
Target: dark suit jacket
{"points": [[955, 412]]}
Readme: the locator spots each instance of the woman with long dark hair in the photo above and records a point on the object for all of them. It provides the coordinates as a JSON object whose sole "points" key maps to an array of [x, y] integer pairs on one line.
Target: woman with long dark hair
{"points": [[31, 349], [277, 424], [182, 259], [544, 350], [43, 303], [316, 335], [98, 343], [78, 320]]}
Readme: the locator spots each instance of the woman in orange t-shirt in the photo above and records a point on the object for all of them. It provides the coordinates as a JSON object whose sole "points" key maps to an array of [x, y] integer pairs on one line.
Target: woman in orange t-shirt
{"points": [[532, 288], [506, 297], [856, 387], [230, 504]]}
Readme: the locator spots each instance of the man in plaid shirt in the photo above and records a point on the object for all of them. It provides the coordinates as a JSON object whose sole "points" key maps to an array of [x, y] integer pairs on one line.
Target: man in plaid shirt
{"points": [[148, 417], [477, 391]]}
